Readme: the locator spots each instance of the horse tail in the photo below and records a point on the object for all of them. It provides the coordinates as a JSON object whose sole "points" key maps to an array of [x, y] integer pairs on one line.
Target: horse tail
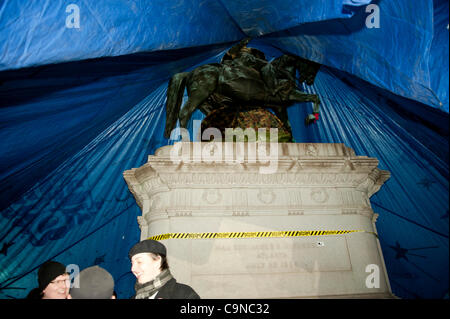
{"points": [[175, 93]]}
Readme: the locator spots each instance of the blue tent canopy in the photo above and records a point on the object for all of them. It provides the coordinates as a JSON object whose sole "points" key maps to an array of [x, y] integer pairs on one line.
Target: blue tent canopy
{"points": [[83, 100]]}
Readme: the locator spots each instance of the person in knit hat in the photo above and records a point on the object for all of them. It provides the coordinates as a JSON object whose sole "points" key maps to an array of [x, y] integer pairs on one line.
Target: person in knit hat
{"points": [[93, 283], [53, 280], [154, 280]]}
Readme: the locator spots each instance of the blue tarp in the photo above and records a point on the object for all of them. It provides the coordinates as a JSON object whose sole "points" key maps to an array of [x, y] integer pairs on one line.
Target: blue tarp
{"points": [[78, 106]]}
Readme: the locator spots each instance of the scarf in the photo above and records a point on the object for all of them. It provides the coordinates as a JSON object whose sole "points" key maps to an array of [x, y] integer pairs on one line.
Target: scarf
{"points": [[144, 291]]}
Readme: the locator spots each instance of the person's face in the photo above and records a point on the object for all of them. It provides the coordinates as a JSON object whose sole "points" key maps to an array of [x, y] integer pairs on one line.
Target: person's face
{"points": [[145, 267], [58, 288]]}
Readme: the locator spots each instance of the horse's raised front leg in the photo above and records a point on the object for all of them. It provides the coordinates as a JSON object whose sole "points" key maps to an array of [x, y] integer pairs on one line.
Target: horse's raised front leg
{"points": [[298, 96]]}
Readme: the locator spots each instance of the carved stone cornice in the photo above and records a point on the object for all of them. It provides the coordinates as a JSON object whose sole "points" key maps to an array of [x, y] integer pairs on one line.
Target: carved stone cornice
{"points": [[374, 181], [225, 179], [307, 176], [143, 183]]}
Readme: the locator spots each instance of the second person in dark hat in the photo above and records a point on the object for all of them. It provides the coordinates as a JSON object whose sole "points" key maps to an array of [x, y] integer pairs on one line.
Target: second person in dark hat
{"points": [[154, 280], [53, 280]]}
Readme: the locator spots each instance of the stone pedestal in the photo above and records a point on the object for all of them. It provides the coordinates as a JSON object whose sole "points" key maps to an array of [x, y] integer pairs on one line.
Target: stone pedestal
{"points": [[183, 189]]}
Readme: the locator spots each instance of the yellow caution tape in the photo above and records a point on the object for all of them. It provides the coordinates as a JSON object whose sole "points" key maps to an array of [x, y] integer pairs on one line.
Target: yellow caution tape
{"points": [[262, 234]]}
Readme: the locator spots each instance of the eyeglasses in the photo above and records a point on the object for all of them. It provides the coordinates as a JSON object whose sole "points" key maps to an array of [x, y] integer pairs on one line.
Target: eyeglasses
{"points": [[57, 282]]}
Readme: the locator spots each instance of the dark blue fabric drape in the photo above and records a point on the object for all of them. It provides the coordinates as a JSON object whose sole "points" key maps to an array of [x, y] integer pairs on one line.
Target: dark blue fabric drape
{"points": [[80, 106]]}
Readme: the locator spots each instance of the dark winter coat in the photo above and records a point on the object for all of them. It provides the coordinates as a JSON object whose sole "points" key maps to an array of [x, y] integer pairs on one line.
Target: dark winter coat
{"points": [[174, 290]]}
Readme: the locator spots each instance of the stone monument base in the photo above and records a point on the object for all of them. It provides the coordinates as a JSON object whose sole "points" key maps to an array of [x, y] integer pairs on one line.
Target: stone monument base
{"points": [[316, 187]]}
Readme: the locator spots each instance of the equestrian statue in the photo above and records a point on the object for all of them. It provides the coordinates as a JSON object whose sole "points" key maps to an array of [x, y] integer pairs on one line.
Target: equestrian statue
{"points": [[243, 77]]}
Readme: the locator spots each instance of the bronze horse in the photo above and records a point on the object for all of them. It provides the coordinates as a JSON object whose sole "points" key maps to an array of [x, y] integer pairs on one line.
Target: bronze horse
{"points": [[247, 80]]}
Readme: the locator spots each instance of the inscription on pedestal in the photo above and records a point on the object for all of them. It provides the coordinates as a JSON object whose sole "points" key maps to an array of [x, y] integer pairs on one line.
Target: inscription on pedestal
{"points": [[274, 255]]}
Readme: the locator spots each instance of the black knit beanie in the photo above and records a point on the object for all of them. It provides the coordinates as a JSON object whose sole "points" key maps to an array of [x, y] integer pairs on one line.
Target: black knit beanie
{"points": [[93, 283], [148, 246], [49, 271]]}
